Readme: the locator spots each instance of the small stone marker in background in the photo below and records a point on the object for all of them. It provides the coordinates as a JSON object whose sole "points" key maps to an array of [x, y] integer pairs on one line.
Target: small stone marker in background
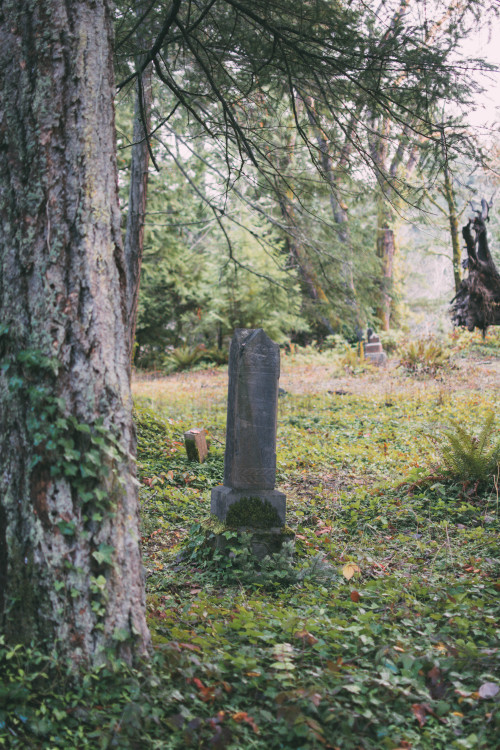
{"points": [[248, 499], [196, 445], [373, 349]]}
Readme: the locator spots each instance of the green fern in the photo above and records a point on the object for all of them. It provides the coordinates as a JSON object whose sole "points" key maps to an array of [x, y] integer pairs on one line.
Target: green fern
{"points": [[183, 358], [466, 456], [424, 356]]}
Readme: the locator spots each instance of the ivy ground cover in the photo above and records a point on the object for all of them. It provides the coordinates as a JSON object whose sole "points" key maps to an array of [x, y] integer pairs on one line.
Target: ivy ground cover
{"points": [[380, 632], [387, 635]]}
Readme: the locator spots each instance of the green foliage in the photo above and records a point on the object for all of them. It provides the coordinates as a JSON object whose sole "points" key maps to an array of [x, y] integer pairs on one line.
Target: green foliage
{"points": [[199, 283], [186, 357], [213, 355], [474, 344], [182, 358], [253, 512], [424, 357], [469, 457], [353, 359], [392, 340], [288, 653], [227, 556]]}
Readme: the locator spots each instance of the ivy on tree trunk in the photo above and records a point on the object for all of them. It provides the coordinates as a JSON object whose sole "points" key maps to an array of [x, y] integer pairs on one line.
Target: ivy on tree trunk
{"points": [[70, 566]]}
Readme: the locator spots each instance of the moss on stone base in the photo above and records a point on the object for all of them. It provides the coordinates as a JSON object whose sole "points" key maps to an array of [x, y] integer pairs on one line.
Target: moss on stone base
{"points": [[254, 513]]}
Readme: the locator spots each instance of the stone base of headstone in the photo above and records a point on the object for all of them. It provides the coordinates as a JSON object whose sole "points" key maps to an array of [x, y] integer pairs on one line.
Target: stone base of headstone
{"points": [[373, 350], [196, 445], [376, 358], [223, 497]]}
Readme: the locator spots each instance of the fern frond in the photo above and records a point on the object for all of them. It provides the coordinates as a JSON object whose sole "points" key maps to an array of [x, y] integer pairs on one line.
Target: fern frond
{"points": [[467, 456]]}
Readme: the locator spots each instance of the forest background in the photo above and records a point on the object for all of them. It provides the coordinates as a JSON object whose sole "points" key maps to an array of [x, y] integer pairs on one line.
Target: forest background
{"points": [[337, 218]]}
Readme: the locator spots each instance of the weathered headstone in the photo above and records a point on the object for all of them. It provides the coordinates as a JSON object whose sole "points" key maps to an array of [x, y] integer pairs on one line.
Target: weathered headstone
{"points": [[248, 493], [195, 441], [373, 349]]}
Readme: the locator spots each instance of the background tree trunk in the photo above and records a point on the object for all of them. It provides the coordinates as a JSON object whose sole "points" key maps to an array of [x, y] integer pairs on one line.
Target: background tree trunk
{"points": [[138, 189], [70, 566], [339, 210], [386, 250]]}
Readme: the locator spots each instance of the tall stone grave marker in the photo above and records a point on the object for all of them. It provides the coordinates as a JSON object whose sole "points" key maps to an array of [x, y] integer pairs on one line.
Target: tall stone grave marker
{"points": [[250, 456]]}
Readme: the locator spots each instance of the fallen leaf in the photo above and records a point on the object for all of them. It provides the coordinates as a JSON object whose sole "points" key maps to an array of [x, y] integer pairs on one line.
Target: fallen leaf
{"points": [[355, 597], [190, 647], [488, 690], [306, 636], [420, 710], [316, 729], [350, 569], [240, 716]]}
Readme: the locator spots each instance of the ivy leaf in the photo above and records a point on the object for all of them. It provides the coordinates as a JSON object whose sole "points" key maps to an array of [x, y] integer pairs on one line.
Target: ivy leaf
{"points": [[66, 527], [121, 634], [104, 554]]}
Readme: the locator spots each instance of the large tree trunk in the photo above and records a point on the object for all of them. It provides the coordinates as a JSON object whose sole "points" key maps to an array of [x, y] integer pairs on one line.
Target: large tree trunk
{"points": [[70, 567], [477, 302]]}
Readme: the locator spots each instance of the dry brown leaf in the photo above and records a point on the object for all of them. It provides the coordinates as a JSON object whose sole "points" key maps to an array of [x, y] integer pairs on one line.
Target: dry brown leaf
{"points": [[350, 569]]}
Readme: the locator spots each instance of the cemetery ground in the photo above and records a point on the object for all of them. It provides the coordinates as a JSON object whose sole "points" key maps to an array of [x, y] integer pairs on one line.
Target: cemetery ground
{"points": [[380, 632]]}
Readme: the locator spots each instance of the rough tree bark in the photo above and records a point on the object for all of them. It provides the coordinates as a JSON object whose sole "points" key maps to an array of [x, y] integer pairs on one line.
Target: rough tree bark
{"points": [[70, 566], [477, 302]]}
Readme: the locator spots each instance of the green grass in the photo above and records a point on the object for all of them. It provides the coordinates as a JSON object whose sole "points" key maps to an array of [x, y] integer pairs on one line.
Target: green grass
{"points": [[401, 654]]}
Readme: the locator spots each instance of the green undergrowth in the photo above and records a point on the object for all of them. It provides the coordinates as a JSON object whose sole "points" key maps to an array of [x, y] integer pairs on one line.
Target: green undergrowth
{"points": [[476, 345], [377, 629]]}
